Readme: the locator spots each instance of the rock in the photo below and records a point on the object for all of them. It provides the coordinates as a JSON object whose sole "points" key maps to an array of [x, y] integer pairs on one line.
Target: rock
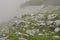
{"points": [[57, 22], [22, 34], [57, 30], [18, 33], [3, 38], [4, 35], [52, 32], [22, 39], [16, 23], [40, 34], [56, 37], [52, 16], [49, 22], [41, 22], [26, 26], [41, 16], [43, 30], [32, 32]]}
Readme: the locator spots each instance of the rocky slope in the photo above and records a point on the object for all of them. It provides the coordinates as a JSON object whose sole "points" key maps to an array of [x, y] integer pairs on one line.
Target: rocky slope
{"points": [[34, 26]]}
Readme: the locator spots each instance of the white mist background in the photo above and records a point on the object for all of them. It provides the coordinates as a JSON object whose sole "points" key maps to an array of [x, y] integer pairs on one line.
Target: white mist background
{"points": [[9, 9]]}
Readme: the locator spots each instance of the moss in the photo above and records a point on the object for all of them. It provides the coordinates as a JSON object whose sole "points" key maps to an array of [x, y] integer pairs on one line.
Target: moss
{"points": [[13, 36]]}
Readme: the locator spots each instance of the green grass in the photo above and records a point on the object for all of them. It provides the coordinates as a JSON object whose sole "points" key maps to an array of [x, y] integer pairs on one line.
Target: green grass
{"points": [[13, 36], [43, 37]]}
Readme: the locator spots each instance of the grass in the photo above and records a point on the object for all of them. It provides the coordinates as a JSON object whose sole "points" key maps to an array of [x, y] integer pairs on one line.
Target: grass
{"points": [[43, 37], [13, 36]]}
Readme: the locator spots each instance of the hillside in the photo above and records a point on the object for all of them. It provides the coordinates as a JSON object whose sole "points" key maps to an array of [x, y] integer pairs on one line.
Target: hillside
{"points": [[36, 26]]}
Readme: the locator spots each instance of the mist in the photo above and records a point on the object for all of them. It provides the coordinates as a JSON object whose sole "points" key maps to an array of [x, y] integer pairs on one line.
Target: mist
{"points": [[39, 2], [9, 9]]}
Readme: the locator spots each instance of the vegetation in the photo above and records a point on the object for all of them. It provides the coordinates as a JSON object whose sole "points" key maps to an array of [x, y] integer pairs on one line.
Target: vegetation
{"points": [[39, 26]]}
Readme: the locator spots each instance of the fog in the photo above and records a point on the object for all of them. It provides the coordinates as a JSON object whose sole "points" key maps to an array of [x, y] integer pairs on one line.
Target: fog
{"points": [[39, 2], [9, 9]]}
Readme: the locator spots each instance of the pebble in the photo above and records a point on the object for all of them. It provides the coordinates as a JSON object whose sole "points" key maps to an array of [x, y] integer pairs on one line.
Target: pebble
{"points": [[56, 37]]}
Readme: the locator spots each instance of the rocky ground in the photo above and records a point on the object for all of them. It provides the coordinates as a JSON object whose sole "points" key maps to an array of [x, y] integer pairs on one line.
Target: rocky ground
{"points": [[35, 26]]}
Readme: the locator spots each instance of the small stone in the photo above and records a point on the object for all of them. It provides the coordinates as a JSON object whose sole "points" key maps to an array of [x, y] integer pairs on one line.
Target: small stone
{"points": [[22, 39], [52, 16], [24, 29], [57, 29], [49, 22], [25, 26], [57, 23], [18, 33], [3, 35], [52, 32], [30, 32], [40, 34], [56, 37], [43, 30]]}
